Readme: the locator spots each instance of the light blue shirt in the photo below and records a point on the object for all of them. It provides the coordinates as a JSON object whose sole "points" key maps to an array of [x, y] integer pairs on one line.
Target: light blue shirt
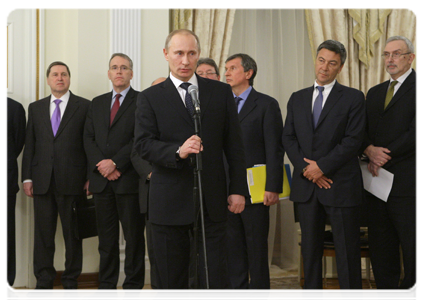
{"points": [[123, 95], [244, 97]]}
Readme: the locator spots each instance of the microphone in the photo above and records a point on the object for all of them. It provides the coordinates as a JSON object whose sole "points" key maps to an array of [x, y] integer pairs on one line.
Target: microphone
{"points": [[193, 91]]}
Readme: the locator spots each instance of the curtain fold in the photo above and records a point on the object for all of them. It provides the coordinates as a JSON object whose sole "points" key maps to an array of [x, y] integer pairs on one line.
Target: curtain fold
{"points": [[212, 26]]}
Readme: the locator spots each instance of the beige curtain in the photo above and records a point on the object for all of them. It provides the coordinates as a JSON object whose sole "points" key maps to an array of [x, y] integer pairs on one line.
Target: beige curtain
{"points": [[364, 33], [212, 26]]}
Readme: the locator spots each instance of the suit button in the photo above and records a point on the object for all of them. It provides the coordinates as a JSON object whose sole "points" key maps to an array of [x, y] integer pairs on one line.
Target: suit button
{"points": [[107, 145]]}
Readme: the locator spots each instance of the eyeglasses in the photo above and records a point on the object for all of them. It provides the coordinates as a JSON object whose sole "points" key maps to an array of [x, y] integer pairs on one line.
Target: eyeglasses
{"points": [[207, 74], [122, 68], [395, 55]]}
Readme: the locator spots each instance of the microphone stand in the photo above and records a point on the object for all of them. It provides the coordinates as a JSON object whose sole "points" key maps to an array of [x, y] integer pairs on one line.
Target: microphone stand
{"points": [[198, 196]]}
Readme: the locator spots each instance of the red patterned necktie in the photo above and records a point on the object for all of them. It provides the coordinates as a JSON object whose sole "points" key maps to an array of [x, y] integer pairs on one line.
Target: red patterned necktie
{"points": [[115, 108]]}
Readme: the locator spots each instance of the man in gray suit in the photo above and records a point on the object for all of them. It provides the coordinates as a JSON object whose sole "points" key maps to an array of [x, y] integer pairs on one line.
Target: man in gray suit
{"points": [[54, 168]]}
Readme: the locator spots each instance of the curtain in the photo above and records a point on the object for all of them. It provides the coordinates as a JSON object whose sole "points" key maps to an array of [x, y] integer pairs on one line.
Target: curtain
{"points": [[277, 40], [363, 33], [212, 26]]}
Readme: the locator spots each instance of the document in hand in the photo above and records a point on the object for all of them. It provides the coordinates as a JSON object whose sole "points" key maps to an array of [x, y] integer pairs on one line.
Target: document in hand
{"points": [[256, 177]]}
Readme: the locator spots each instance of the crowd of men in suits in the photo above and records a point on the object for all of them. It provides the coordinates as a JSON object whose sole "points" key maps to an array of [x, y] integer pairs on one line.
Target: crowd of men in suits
{"points": [[133, 151]]}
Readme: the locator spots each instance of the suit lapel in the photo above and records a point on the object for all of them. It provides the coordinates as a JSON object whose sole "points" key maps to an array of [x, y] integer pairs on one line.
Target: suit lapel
{"points": [[332, 99], [408, 84], [129, 99], [249, 105], [171, 95], [307, 103], [71, 108], [45, 113], [205, 94]]}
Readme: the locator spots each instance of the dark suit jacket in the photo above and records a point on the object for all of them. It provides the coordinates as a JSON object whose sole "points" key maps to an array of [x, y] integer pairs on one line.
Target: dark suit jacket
{"points": [[334, 144], [395, 128], [261, 126], [62, 154], [115, 142], [143, 168], [163, 124], [16, 122]]}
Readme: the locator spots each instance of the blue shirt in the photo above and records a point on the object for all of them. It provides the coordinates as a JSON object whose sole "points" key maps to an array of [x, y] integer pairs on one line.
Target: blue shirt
{"points": [[244, 97], [122, 97]]}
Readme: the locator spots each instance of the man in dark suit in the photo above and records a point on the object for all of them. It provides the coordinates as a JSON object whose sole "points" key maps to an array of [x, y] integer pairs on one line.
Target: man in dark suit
{"points": [[261, 124], [165, 136], [108, 140], [16, 123], [323, 133], [54, 169], [390, 142]]}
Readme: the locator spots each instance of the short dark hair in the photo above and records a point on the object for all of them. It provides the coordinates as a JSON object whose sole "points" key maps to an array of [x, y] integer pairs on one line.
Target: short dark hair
{"points": [[57, 63], [334, 46], [210, 62], [182, 31], [247, 62], [131, 65]]}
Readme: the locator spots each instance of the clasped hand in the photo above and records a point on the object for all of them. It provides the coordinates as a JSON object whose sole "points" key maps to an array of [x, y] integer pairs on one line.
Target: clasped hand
{"points": [[108, 169], [313, 173]]}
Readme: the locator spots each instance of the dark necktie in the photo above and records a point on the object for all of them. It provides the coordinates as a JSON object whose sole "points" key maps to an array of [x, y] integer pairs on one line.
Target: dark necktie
{"points": [[55, 118], [115, 108], [317, 109], [188, 99], [390, 93], [237, 101]]}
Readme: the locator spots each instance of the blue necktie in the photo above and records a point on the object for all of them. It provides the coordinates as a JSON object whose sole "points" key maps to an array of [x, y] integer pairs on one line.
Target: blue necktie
{"points": [[188, 100], [317, 109], [237, 101]]}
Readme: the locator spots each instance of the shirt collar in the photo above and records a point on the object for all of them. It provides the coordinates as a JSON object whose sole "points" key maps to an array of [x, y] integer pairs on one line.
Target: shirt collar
{"points": [[244, 95], [403, 77], [64, 98], [177, 82], [327, 86], [123, 93]]}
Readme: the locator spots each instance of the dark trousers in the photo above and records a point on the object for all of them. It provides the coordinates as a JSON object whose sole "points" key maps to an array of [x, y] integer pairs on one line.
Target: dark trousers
{"points": [[172, 248], [46, 209], [11, 239], [110, 209], [345, 223], [392, 225], [151, 257], [248, 265]]}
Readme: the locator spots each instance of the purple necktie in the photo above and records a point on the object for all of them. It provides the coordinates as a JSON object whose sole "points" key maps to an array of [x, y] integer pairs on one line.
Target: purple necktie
{"points": [[55, 118], [318, 103]]}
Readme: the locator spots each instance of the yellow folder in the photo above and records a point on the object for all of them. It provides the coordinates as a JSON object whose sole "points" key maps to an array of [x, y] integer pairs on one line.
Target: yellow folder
{"points": [[256, 177]]}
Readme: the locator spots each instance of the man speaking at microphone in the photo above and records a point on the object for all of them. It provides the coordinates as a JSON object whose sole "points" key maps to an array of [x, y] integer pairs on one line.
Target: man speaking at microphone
{"points": [[165, 136]]}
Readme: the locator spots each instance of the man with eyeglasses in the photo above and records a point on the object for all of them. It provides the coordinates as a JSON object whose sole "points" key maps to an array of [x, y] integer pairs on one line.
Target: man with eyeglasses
{"points": [[108, 140], [390, 143], [207, 68]]}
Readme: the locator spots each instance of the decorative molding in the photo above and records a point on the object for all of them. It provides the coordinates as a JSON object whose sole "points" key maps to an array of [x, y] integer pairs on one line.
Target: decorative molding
{"points": [[126, 38]]}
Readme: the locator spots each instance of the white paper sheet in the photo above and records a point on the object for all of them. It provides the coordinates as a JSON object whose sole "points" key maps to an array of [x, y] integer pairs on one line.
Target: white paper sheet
{"points": [[381, 185]]}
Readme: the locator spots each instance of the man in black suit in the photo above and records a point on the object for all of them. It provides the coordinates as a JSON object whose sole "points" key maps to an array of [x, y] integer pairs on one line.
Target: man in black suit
{"points": [[261, 124], [165, 136], [54, 172], [108, 140], [323, 133], [16, 123], [390, 142]]}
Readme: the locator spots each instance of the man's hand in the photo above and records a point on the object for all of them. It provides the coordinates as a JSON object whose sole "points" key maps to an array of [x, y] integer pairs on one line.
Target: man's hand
{"points": [[324, 182], [236, 203], [312, 171], [377, 155], [106, 167], [114, 175], [191, 145], [28, 189], [270, 198], [373, 168], [86, 186]]}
